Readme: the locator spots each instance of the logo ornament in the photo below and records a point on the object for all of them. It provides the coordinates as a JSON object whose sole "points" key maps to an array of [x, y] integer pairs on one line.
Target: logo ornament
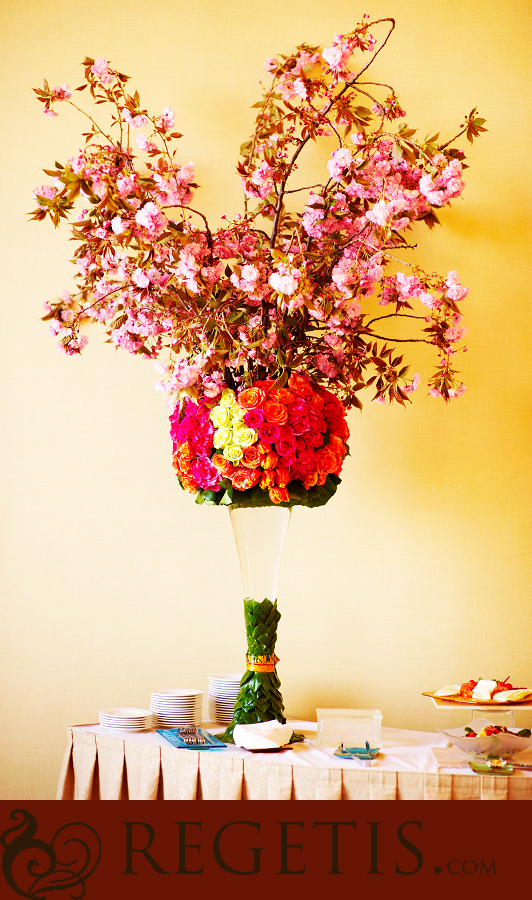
{"points": [[35, 869]]}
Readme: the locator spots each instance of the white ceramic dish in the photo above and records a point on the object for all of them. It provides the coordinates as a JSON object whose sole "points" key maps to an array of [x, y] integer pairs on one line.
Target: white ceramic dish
{"points": [[503, 745]]}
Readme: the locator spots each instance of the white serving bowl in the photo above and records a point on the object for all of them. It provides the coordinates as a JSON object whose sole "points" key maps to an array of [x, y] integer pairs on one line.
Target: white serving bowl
{"points": [[503, 745]]}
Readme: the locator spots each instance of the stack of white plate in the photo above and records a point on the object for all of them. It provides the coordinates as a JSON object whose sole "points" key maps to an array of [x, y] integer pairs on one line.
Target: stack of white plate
{"points": [[126, 719], [176, 707], [222, 696]]}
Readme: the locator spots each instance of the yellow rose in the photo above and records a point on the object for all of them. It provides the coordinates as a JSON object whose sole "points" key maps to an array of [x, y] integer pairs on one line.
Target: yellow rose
{"points": [[244, 437], [228, 398], [221, 437], [219, 416], [237, 413], [233, 453]]}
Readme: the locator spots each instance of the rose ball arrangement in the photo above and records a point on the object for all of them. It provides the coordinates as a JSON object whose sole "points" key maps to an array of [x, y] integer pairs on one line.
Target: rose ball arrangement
{"points": [[262, 445]]}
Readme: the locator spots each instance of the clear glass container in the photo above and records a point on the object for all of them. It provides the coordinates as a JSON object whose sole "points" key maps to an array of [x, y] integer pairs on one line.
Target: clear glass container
{"points": [[350, 727], [260, 534]]}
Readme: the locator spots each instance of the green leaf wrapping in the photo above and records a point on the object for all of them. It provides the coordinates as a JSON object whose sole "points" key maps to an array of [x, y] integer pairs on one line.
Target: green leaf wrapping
{"points": [[318, 495], [259, 698]]}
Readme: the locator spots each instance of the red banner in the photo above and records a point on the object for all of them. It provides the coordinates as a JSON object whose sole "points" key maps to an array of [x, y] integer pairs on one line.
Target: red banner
{"points": [[142, 850]]}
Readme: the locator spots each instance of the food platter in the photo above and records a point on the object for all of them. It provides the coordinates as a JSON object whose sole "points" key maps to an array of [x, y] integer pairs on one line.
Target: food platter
{"points": [[456, 698]]}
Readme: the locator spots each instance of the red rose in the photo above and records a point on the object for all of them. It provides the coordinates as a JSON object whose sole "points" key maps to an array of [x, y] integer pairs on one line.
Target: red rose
{"points": [[286, 446], [243, 479], [281, 395], [300, 386], [264, 385]]}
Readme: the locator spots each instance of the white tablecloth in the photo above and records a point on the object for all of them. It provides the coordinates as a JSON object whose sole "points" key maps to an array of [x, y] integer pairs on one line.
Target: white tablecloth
{"points": [[105, 765]]}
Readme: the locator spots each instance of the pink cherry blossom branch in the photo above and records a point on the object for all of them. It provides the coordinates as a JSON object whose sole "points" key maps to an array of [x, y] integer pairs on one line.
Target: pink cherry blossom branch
{"points": [[347, 86]]}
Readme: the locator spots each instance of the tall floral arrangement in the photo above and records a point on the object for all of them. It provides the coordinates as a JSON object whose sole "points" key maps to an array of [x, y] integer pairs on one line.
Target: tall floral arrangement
{"points": [[261, 329]]}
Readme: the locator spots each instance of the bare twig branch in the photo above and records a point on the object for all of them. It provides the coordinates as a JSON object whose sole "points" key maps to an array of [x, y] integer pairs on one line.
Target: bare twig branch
{"points": [[394, 316]]}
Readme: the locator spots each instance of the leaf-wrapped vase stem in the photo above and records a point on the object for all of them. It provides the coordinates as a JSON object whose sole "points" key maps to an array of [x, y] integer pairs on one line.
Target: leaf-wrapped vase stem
{"points": [[259, 698], [260, 534]]}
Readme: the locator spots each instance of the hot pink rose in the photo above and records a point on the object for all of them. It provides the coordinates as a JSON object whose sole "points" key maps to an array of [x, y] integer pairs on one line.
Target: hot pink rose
{"points": [[269, 432], [254, 418]]}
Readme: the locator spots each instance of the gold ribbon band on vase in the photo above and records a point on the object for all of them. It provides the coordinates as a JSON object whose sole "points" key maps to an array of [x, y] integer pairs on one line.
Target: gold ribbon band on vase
{"points": [[261, 663]]}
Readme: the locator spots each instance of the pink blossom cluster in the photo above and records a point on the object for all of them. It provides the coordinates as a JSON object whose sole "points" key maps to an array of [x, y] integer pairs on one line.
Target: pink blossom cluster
{"points": [[274, 291], [338, 55]]}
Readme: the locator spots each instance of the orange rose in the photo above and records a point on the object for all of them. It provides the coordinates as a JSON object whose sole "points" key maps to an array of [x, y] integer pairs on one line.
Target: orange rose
{"points": [[310, 480], [282, 476], [269, 460], [189, 484], [328, 461], [251, 457], [243, 479], [183, 457], [184, 454], [322, 478], [275, 412], [263, 446], [268, 479], [251, 398], [300, 386], [281, 395], [222, 464], [264, 385], [338, 445], [278, 494]]}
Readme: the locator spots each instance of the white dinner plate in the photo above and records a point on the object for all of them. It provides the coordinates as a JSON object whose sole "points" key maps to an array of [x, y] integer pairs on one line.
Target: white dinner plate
{"points": [[124, 724], [174, 707], [125, 728], [177, 693], [225, 696], [229, 676], [181, 721]]}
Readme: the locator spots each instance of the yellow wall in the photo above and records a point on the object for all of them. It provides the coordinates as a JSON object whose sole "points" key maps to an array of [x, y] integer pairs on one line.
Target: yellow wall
{"points": [[417, 573]]}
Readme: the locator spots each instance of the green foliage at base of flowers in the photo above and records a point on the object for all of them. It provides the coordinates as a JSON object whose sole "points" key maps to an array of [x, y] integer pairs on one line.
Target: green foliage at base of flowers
{"points": [[259, 698], [318, 495]]}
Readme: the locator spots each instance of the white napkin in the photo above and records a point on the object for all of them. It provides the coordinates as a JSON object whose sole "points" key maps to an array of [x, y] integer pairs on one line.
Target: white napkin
{"points": [[262, 735], [449, 757]]}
